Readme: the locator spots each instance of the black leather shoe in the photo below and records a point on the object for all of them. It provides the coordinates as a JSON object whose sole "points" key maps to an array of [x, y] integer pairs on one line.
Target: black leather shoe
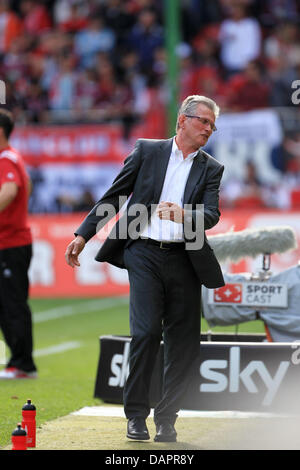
{"points": [[165, 432], [137, 429]]}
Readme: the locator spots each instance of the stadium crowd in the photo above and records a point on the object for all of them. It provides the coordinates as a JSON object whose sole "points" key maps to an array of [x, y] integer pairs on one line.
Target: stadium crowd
{"points": [[104, 60], [65, 57]]}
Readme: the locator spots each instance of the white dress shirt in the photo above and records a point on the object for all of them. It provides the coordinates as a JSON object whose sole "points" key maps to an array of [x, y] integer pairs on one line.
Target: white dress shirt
{"points": [[173, 191]]}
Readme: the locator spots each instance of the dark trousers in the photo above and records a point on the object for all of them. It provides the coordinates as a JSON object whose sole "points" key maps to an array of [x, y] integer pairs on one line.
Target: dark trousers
{"points": [[164, 304], [15, 314]]}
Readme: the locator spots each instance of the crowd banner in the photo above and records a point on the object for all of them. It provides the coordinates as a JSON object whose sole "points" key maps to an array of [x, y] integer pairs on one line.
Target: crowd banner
{"points": [[51, 277], [68, 144], [248, 137]]}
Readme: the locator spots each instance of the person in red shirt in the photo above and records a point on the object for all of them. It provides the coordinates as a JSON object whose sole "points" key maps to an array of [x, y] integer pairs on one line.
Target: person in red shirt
{"points": [[249, 89], [15, 257]]}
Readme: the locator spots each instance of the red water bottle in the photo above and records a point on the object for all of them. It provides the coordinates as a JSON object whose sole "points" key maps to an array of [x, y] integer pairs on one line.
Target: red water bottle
{"points": [[28, 422], [19, 438]]}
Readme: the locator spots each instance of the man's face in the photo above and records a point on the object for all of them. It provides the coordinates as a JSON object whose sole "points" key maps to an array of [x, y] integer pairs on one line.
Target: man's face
{"points": [[196, 131]]}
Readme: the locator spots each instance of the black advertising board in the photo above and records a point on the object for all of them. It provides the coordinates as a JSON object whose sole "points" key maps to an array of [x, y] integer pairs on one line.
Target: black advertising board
{"points": [[113, 370], [245, 376]]}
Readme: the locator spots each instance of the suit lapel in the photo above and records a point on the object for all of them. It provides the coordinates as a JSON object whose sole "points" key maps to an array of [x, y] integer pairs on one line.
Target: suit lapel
{"points": [[194, 176], [162, 160]]}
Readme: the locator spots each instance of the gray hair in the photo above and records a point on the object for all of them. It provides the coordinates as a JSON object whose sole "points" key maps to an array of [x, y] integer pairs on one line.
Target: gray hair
{"points": [[189, 105]]}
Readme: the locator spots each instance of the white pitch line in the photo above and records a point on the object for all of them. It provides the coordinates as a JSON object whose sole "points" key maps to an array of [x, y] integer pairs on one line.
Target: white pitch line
{"points": [[57, 348], [82, 307]]}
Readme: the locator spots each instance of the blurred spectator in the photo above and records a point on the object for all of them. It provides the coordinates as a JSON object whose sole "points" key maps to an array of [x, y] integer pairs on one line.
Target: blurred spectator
{"points": [[146, 36], [206, 45], [291, 180], [35, 103], [88, 90], [51, 48], [107, 82], [54, 42], [85, 203], [96, 37], [248, 90], [240, 39], [152, 106], [196, 14], [75, 21], [37, 181], [159, 67], [291, 147], [14, 101], [187, 70], [205, 80], [63, 11], [128, 69], [282, 46], [136, 6], [118, 18], [272, 12], [10, 26], [14, 62], [201, 73], [244, 192], [62, 93], [67, 203], [111, 96]]}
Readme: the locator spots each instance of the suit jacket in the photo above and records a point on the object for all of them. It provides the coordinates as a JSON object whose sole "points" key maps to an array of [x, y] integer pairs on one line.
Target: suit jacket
{"points": [[142, 178]]}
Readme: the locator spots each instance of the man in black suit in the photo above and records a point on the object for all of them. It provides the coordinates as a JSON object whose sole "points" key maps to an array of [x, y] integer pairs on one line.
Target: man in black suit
{"points": [[160, 240]]}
